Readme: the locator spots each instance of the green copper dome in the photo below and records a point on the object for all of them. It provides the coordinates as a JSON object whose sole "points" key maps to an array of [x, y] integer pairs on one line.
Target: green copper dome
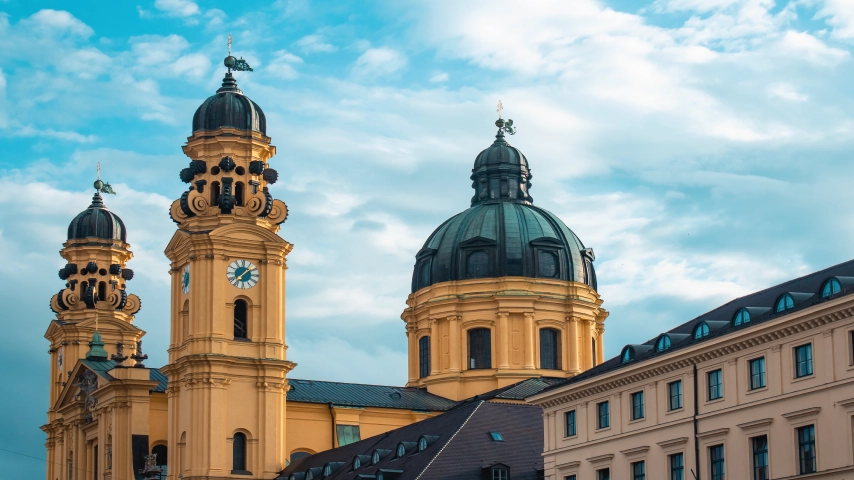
{"points": [[503, 233]]}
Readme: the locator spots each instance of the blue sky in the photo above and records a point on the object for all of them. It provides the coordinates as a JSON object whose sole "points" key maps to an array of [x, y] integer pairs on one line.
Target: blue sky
{"points": [[702, 148]]}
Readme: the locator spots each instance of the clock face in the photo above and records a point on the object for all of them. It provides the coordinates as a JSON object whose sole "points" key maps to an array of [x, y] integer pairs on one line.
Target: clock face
{"points": [[242, 274], [185, 279]]}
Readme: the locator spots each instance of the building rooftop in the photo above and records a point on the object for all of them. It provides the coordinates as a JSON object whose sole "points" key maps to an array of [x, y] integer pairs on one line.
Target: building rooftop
{"points": [[737, 314], [458, 444], [360, 395]]}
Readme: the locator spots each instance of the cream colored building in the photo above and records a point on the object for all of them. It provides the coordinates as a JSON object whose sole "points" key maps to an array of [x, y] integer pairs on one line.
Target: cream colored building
{"points": [[759, 388]]}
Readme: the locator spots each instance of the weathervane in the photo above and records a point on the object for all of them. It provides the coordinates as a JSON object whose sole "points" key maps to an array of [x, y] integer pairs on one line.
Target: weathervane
{"points": [[236, 64], [102, 187], [504, 125]]}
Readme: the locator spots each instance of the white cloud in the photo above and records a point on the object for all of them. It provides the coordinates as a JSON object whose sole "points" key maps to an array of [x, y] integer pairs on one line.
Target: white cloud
{"points": [[49, 22], [379, 62], [439, 77], [282, 65], [315, 44], [177, 8], [786, 91], [839, 14]]}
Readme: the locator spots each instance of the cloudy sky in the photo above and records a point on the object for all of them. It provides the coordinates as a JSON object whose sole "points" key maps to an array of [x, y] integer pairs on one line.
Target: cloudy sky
{"points": [[702, 148]]}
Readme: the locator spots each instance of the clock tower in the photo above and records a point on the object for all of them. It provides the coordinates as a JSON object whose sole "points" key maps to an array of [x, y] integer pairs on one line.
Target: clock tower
{"points": [[227, 356]]}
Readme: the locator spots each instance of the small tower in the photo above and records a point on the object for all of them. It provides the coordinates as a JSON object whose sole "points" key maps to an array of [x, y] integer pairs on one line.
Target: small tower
{"points": [[503, 291], [227, 364], [95, 294]]}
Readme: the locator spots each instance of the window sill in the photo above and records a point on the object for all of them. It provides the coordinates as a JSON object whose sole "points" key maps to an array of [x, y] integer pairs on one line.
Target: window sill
{"points": [[637, 420], [241, 472], [571, 437], [675, 410], [246, 340], [805, 377], [756, 390], [716, 400], [603, 429]]}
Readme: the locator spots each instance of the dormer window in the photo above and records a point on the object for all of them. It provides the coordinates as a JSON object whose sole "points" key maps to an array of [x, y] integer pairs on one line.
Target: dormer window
{"points": [[785, 302], [496, 436], [701, 330], [499, 471], [741, 317], [830, 287], [422, 444], [548, 264], [477, 264], [662, 344], [628, 354]]}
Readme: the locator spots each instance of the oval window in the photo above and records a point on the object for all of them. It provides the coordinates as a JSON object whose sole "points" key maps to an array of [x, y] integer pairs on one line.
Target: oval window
{"points": [[548, 263], [477, 264]]}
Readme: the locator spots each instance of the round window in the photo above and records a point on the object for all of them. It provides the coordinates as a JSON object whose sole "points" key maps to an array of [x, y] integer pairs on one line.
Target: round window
{"points": [[548, 264]]}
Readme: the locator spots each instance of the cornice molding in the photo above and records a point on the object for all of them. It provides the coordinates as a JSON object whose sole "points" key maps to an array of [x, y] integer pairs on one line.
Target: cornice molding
{"points": [[713, 433], [755, 423], [672, 442], [801, 413]]}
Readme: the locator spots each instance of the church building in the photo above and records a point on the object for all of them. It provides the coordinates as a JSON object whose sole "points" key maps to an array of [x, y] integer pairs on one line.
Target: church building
{"points": [[503, 306]]}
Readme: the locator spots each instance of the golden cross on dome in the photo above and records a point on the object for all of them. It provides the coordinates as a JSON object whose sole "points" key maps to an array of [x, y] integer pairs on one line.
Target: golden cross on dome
{"points": [[229, 44], [499, 109]]}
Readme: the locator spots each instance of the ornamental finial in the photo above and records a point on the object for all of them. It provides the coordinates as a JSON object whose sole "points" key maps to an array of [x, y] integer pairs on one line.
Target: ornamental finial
{"points": [[504, 125], [236, 64], [100, 186]]}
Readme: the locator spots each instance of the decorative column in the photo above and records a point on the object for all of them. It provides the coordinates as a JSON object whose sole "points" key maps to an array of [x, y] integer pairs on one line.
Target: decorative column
{"points": [[454, 339], [434, 346], [573, 347], [586, 341], [530, 334], [503, 340]]}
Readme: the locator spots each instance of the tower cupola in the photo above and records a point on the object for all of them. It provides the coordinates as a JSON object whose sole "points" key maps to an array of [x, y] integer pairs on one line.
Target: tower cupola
{"points": [[229, 107], [97, 222]]}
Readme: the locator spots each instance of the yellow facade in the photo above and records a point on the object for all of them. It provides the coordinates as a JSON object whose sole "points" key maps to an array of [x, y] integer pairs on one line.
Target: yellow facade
{"points": [[514, 310]]}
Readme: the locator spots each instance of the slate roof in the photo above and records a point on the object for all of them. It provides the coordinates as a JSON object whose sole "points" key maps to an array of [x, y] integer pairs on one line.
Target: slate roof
{"points": [[463, 448], [102, 368], [721, 317], [360, 395], [520, 390]]}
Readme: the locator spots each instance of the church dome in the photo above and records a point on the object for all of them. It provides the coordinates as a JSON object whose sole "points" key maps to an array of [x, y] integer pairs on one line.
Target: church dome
{"points": [[503, 233], [98, 222], [229, 108]]}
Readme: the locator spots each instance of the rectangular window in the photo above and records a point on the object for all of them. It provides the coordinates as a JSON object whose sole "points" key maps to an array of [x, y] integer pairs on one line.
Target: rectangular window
{"points": [[637, 405], [570, 477], [806, 449], [759, 445], [347, 434], [674, 390], [803, 360], [677, 466], [424, 356], [499, 474], [716, 462], [569, 418], [603, 415], [603, 474], [716, 384], [639, 471], [757, 373]]}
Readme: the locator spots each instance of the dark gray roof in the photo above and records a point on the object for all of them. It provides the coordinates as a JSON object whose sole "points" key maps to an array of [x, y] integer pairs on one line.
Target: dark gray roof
{"points": [[360, 395], [520, 390], [463, 448], [102, 368], [96, 221], [720, 318], [229, 108]]}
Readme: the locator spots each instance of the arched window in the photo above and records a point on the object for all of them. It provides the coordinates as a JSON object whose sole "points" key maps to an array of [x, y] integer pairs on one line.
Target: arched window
{"points": [[742, 316], [786, 302], [238, 194], [548, 264], [701, 330], [477, 264], [215, 193], [239, 453], [549, 349], [480, 348], [628, 354], [240, 325], [662, 344], [424, 356], [830, 287], [162, 459]]}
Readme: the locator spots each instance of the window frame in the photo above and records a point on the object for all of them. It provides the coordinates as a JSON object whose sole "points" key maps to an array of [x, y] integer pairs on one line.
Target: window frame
{"points": [[603, 420], [757, 381], [830, 282], [424, 366], [672, 469], [670, 396], [719, 462], [741, 317], [573, 416], [487, 355], [706, 330], [807, 347], [245, 319], [637, 405], [719, 387], [787, 302], [556, 347], [663, 339], [810, 444], [243, 449], [638, 470], [469, 253], [754, 467], [603, 473]]}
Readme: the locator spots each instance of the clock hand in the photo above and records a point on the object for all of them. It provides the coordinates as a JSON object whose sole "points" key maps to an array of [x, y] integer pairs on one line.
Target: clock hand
{"points": [[240, 278]]}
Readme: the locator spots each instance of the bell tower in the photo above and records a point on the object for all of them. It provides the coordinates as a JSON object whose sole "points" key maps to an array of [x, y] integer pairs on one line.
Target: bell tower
{"points": [[227, 356]]}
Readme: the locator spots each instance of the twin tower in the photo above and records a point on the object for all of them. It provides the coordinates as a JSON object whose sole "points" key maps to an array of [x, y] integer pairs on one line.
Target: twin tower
{"points": [[501, 293]]}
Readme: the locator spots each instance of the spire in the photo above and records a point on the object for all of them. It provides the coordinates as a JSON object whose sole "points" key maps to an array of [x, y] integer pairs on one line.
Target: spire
{"points": [[96, 348]]}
